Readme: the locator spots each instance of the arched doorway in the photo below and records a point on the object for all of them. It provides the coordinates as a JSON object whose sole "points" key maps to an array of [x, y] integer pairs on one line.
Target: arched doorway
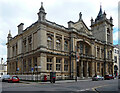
{"points": [[115, 70]]}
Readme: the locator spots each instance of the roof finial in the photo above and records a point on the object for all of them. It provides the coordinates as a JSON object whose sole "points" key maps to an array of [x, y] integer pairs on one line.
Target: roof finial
{"points": [[42, 4], [100, 4], [41, 8], [9, 32], [80, 16]]}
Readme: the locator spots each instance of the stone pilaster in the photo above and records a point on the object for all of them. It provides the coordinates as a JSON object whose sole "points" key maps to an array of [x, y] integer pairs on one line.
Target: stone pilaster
{"points": [[62, 43], [81, 68], [54, 41], [54, 64], [26, 65], [93, 69], [100, 53], [62, 68], [87, 74], [42, 62], [100, 69]]}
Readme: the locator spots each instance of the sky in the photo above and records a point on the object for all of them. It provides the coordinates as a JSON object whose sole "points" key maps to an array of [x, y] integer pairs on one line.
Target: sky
{"points": [[14, 12]]}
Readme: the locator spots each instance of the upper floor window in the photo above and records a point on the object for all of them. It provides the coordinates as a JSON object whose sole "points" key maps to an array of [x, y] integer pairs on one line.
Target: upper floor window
{"points": [[86, 50], [115, 59], [49, 42], [58, 44], [102, 53], [13, 51], [81, 48], [30, 43], [66, 45], [98, 51], [108, 55], [24, 45], [16, 49]]}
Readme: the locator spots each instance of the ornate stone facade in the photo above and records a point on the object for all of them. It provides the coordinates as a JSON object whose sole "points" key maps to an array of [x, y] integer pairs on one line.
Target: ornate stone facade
{"points": [[52, 47]]}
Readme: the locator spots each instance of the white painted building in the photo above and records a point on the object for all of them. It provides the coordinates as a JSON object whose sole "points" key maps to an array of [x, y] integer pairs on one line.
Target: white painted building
{"points": [[3, 68]]}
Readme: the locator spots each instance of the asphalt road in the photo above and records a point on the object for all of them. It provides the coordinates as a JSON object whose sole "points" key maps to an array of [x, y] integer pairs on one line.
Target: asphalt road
{"points": [[104, 86]]}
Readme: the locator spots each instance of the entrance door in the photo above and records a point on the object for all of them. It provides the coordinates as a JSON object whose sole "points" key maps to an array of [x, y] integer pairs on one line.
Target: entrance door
{"points": [[78, 69], [102, 71]]}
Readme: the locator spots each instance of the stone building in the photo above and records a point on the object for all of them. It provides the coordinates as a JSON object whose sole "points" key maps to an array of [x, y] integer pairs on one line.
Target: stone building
{"points": [[116, 61], [117, 53], [46, 47]]}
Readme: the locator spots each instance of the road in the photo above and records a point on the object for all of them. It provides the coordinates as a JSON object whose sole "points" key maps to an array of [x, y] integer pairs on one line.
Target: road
{"points": [[109, 86]]}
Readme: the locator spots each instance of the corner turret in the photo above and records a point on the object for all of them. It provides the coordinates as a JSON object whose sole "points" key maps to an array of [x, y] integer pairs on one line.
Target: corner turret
{"points": [[41, 13]]}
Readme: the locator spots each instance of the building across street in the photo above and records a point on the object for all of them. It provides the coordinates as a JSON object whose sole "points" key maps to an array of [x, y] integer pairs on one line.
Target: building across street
{"points": [[73, 51]]}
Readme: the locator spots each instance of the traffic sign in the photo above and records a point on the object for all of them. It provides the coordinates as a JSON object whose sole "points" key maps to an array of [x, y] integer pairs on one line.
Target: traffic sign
{"points": [[32, 69]]}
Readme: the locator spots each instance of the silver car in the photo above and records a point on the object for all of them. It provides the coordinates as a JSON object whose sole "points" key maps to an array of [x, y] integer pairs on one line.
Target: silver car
{"points": [[5, 78], [97, 77]]}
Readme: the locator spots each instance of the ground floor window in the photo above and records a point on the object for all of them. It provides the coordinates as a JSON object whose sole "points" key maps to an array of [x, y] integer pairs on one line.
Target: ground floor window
{"points": [[66, 65], [49, 66], [58, 67], [49, 63], [98, 67], [29, 64], [58, 64], [24, 65]]}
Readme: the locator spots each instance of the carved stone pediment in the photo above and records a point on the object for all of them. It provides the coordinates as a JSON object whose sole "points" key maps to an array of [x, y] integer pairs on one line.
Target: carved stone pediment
{"points": [[81, 27]]}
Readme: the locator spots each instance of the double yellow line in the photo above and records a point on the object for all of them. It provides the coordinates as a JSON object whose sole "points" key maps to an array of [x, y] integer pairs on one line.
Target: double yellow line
{"points": [[94, 88]]}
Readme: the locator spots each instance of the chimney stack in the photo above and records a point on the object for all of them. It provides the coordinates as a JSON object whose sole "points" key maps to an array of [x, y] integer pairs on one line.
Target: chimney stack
{"points": [[20, 28]]}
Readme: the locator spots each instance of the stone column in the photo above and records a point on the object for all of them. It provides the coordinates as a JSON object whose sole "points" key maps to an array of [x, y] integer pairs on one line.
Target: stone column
{"points": [[100, 69], [81, 68], [100, 53], [42, 40], [54, 41], [32, 63], [62, 68], [38, 63], [96, 51], [27, 65], [113, 69], [83, 49], [93, 69], [54, 64], [87, 65], [42, 62], [74, 68], [62, 43]]}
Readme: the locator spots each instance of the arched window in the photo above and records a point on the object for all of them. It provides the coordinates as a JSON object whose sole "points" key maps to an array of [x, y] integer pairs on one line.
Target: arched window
{"points": [[81, 47], [66, 45], [49, 42], [58, 44]]}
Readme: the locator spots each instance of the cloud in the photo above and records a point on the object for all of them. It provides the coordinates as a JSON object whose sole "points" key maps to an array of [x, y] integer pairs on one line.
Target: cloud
{"points": [[115, 36], [13, 12]]}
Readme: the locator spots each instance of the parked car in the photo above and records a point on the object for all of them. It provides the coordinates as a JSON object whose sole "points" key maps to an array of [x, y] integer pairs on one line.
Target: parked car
{"points": [[118, 76], [13, 79], [108, 77], [97, 77], [5, 78]]}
